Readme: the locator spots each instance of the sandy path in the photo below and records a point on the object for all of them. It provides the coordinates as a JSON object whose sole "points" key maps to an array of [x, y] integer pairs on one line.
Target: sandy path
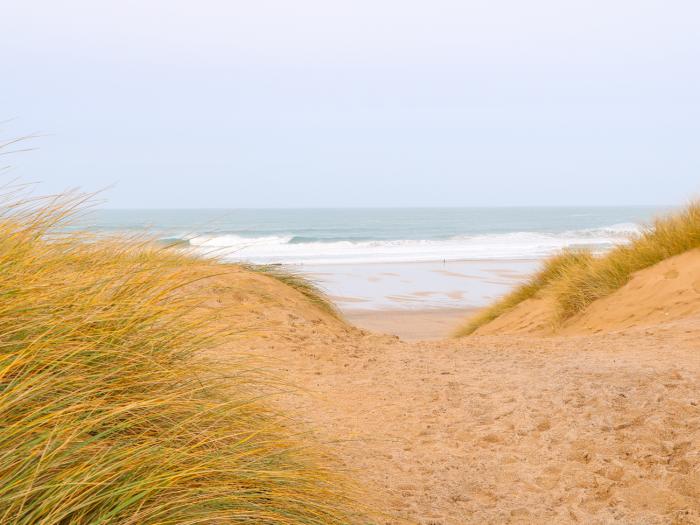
{"points": [[500, 430], [411, 324], [570, 429]]}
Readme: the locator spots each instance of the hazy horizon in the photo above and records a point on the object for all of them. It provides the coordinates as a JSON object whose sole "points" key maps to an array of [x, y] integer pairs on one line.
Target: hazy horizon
{"points": [[313, 104], [303, 208]]}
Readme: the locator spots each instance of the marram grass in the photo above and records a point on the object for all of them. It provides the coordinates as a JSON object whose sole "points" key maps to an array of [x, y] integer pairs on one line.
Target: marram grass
{"points": [[108, 411], [300, 283], [573, 280], [552, 270], [668, 236]]}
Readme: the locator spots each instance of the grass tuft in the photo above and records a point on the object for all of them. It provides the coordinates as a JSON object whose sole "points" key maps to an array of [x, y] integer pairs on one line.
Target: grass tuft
{"points": [[300, 283], [575, 279], [552, 270], [668, 236], [110, 413]]}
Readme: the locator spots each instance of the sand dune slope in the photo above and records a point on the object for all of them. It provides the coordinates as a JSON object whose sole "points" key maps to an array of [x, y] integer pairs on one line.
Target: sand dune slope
{"points": [[532, 316], [509, 429], [667, 291]]}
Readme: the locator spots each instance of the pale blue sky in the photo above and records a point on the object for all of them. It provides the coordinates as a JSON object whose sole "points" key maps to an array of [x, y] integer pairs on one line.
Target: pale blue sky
{"points": [[279, 103]]}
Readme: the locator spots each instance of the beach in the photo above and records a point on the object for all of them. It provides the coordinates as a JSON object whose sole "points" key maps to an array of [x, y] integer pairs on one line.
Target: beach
{"points": [[533, 418], [411, 272], [596, 422], [350, 263], [417, 285], [420, 300], [368, 397], [410, 324], [514, 427]]}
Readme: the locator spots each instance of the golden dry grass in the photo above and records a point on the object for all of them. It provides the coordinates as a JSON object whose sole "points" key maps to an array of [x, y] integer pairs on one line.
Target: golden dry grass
{"points": [[575, 279], [108, 411], [667, 236], [552, 269], [300, 283]]}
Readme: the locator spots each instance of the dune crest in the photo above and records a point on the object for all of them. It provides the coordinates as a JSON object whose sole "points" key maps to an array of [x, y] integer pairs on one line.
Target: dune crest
{"points": [[668, 291]]}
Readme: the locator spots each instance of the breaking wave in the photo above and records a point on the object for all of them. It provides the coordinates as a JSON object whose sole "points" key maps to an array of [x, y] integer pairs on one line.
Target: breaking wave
{"points": [[290, 249]]}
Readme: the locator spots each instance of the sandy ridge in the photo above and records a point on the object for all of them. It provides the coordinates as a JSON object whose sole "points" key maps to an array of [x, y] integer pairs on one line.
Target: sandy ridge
{"points": [[507, 429], [667, 291]]}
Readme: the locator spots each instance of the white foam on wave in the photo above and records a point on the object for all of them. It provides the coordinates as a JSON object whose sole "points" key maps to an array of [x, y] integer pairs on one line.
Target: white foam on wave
{"points": [[237, 241], [516, 245], [622, 229]]}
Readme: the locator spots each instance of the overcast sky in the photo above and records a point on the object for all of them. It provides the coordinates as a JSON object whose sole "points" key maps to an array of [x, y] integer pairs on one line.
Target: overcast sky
{"points": [[281, 103]]}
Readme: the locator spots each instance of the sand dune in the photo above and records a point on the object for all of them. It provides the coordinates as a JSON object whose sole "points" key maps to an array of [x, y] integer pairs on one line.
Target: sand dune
{"points": [[411, 324], [667, 291], [592, 428]]}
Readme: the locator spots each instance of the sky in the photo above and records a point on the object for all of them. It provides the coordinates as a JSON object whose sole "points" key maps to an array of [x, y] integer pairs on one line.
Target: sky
{"points": [[317, 103]]}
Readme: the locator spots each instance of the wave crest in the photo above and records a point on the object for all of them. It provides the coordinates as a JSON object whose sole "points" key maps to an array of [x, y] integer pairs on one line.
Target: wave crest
{"points": [[290, 249]]}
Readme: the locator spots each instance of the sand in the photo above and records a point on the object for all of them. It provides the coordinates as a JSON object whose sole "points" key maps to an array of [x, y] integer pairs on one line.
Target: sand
{"points": [[593, 428], [667, 291], [410, 324], [418, 285], [497, 431], [670, 290]]}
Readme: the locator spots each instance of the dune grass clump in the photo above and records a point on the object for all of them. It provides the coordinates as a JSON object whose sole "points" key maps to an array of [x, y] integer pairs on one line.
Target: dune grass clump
{"points": [[552, 269], [575, 279], [300, 283], [110, 414], [667, 236]]}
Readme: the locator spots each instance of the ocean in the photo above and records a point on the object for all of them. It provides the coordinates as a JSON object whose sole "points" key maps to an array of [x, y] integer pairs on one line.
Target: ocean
{"points": [[390, 257], [357, 236]]}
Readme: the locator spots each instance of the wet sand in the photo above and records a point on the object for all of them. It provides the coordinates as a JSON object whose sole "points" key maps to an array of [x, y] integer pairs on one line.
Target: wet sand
{"points": [[450, 285]]}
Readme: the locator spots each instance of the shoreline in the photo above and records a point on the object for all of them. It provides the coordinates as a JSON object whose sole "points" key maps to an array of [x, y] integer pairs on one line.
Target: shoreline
{"points": [[418, 286], [482, 260]]}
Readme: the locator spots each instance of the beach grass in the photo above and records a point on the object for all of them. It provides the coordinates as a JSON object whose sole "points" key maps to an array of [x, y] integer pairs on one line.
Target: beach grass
{"points": [[573, 280], [109, 410], [552, 269], [666, 237], [300, 283]]}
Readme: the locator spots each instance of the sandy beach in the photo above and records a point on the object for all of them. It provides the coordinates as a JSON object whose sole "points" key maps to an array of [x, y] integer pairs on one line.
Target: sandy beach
{"points": [[513, 428], [350, 263], [443, 285], [410, 325], [416, 300], [249, 392]]}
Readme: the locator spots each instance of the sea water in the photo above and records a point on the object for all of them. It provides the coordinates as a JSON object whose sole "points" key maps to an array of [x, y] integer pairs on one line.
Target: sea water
{"points": [[390, 257]]}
